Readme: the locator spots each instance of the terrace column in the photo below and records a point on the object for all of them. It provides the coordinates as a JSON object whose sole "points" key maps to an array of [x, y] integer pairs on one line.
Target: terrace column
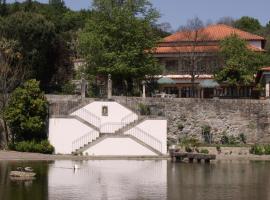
{"points": [[83, 88], [109, 87], [143, 88], [267, 88]]}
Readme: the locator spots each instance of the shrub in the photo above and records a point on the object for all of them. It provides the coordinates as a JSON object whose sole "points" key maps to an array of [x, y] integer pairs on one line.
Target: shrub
{"points": [[180, 126], [27, 112], [188, 149], [267, 149], [205, 151], [206, 133], [68, 88], [144, 109], [218, 149], [32, 146], [229, 140], [257, 149], [189, 142], [243, 138]]}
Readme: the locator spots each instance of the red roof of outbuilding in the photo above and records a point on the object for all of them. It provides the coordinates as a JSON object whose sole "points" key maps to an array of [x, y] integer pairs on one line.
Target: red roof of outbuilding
{"points": [[213, 33]]}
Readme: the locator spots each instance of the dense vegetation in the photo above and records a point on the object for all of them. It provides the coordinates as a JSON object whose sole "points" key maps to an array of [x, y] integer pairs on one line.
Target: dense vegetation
{"points": [[40, 41]]}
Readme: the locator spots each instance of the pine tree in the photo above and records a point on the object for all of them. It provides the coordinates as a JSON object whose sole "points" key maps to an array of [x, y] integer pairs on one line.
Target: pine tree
{"points": [[3, 8]]}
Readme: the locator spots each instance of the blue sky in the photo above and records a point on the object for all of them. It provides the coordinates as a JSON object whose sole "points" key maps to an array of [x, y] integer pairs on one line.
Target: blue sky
{"points": [[177, 12]]}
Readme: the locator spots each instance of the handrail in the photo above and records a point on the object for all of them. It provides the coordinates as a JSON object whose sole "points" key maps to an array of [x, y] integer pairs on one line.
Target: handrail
{"points": [[85, 139], [111, 127], [88, 116], [146, 138], [128, 119]]}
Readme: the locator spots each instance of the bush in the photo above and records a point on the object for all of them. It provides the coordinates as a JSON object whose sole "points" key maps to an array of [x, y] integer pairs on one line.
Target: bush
{"points": [[206, 133], [189, 142], [68, 88], [180, 126], [205, 151], [229, 140], [188, 149], [27, 112], [144, 109], [243, 138], [257, 149], [267, 149], [218, 149], [36, 147]]}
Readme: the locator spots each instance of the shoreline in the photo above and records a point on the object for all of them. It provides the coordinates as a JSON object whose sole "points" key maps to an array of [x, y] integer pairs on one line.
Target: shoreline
{"points": [[21, 156]]}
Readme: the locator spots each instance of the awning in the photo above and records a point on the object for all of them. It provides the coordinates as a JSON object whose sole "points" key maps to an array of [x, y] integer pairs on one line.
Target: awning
{"points": [[166, 80], [208, 84]]}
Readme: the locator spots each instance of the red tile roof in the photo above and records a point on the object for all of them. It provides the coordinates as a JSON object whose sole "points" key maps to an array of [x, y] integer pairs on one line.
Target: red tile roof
{"points": [[198, 49], [213, 33], [265, 68]]}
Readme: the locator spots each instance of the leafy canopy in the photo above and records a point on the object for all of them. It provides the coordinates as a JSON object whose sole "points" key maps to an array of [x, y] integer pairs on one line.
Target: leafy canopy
{"points": [[240, 63], [118, 37], [248, 24], [27, 112]]}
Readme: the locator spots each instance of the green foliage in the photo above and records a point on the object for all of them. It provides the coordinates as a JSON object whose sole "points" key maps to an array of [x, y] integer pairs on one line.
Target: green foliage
{"points": [[218, 149], [206, 133], [240, 63], [267, 149], [204, 151], [248, 24], [229, 140], [68, 88], [257, 149], [117, 39], [32, 146], [47, 37], [27, 112], [180, 126], [188, 149], [186, 141], [144, 109], [243, 138]]}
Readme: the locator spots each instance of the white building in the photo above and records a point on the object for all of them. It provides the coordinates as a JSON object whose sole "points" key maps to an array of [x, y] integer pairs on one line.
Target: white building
{"points": [[108, 129]]}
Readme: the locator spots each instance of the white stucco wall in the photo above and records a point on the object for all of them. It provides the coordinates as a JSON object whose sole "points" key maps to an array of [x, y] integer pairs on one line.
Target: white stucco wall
{"points": [[157, 129], [110, 123], [257, 44], [62, 132], [115, 111], [119, 147]]}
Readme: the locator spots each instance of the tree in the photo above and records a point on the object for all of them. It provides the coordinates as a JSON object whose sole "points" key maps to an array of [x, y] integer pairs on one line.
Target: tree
{"points": [[118, 39], [37, 39], [227, 21], [195, 34], [3, 8], [27, 113], [248, 24], [240, 63], [11, 75]]}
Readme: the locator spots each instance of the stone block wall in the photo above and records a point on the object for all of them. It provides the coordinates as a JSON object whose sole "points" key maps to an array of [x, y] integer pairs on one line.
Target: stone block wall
{"points": [[186, 117]]}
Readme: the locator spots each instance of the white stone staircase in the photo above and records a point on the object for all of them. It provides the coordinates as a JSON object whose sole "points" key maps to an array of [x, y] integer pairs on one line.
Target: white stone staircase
{"points": [[126, 128]]}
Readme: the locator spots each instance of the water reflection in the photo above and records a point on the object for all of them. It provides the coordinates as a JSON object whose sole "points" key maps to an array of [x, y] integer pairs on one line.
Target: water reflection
{"points": [[222, 180], [138, 180], [109, 180]]}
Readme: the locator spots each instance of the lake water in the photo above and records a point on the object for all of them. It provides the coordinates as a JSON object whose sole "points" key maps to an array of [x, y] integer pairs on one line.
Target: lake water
{"points": [[140, 180]]}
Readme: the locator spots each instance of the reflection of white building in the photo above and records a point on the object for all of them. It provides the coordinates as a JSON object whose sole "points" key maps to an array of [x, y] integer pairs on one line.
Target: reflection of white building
{"points": [[106, 128], [108, 179]]}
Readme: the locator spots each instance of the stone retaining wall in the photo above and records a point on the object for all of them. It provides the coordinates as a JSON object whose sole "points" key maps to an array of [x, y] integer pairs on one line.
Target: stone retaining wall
{"points": [[186, 117]]}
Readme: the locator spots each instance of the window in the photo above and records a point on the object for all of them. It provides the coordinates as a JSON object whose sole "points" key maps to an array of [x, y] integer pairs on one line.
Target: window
{"points": [[171, 66], [104, 110]]}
